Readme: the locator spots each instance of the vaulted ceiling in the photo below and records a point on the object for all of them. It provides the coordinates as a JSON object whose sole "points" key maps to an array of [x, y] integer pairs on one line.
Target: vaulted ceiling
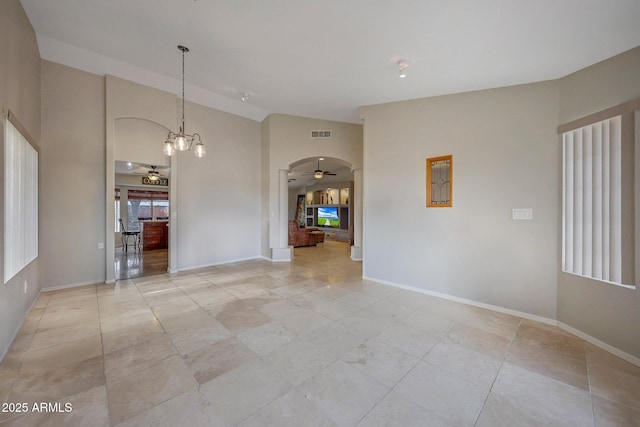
{"points": [[325, 59]]}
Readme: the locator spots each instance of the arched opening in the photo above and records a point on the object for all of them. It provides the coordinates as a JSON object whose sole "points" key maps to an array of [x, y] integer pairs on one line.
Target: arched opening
{"points": [[126, 168], [320, 204]]}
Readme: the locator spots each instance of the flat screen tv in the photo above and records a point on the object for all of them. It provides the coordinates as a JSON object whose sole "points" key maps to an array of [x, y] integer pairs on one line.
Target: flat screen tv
{"points": [[328, 217]]}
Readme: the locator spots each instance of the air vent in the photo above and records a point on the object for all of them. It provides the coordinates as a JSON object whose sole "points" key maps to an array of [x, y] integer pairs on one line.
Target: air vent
{"points": [[320, 134]]}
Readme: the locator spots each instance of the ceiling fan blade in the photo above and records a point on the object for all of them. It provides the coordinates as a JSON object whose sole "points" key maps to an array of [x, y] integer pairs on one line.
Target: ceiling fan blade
{"points": [[329, 173]]}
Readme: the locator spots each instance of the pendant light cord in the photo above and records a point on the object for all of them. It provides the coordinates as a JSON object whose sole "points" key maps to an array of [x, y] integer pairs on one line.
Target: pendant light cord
{"points": [[184, 131]]}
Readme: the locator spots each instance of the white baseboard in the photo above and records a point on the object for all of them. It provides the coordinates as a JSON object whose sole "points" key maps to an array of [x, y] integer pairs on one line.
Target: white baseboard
{"points": [[72, 285], [282, 254], [356, 253], [231, 261], [621, 354], [603, 345], [15, 333], [499, 309]]}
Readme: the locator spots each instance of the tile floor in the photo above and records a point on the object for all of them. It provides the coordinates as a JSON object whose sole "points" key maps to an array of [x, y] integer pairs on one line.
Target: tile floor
{"points": [[303, 344], [139, 263]]}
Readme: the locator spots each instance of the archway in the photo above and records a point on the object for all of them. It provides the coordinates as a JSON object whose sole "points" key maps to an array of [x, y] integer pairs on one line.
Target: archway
{"points": [[146, 133], [322, 193]]}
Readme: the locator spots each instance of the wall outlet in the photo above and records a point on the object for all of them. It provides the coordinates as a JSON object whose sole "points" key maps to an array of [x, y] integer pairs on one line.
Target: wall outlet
{"points": [[100, 245], [522, 214], [26, 285]]}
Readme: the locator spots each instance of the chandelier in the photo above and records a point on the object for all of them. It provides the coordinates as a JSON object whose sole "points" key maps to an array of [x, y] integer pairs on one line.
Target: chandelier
{"points": [[182, 141]]}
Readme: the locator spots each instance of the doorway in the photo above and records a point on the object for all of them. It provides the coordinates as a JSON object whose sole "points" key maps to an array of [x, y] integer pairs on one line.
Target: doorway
{"points": [[320, 197], [141, 227]]}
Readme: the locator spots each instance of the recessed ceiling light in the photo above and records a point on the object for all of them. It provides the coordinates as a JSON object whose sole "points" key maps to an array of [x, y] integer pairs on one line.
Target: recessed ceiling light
{"points": [[321, 158], [402, 68]]}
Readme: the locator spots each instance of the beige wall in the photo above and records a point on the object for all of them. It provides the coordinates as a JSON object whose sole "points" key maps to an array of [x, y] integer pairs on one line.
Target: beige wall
{"points": [[606, 312], [505, 156], [72, 211], [219, 195], [600, 86], [20, 93]]}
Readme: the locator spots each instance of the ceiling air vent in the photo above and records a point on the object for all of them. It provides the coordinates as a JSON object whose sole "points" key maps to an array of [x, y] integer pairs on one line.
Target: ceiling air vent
{"points": [[320, 134]]}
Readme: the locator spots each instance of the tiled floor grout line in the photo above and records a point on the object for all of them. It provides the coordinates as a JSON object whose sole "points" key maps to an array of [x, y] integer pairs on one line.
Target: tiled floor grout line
{"points": [[104, 369], [593, 410], [158, 361], [502, 362]]}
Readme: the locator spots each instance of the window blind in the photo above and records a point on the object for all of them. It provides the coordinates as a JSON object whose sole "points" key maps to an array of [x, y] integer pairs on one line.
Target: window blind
{"points": [[20, 201], [592, 201]]}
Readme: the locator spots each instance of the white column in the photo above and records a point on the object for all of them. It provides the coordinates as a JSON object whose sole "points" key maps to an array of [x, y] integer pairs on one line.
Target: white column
{"points": [[110, 188], [283, 203], [172, 266], [282, 253], [356, 249]]}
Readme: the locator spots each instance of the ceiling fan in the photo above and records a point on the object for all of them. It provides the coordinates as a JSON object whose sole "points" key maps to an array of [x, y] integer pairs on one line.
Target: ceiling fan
{"points": [[153, 174], [319, 173], [147, 170]]}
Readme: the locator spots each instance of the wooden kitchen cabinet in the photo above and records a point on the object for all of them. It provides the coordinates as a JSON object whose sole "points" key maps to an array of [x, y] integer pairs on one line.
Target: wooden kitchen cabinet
{"points": [[155, 235]]}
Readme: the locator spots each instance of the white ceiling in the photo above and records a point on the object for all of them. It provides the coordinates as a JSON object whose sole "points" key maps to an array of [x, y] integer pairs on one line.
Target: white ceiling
{"points": [[132, 168], [324, 59], [302, 174]]}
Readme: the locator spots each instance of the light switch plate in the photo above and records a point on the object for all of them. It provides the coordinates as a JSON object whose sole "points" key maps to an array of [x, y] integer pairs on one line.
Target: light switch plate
{"points": [[522, 214]]}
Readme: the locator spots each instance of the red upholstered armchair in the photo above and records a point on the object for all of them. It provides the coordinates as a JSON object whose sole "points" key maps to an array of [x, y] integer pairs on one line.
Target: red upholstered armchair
{"points": [[301, 236]]}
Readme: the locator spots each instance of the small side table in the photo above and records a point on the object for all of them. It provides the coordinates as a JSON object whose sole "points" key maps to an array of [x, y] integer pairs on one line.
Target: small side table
{"points": [[315, 238]]}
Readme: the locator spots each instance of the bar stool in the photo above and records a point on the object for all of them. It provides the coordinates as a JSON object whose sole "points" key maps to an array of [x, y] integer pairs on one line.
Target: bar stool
{"points": [[124, 235]]}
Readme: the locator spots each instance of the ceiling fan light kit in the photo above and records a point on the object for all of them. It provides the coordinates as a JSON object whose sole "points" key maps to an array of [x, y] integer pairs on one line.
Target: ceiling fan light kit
{"points": [[182, 141], [402, 68], [153, 174], [319, 173]]}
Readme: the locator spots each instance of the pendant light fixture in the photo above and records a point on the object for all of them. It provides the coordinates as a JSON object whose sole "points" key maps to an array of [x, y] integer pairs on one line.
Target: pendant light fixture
{"points": [[182, 141]]}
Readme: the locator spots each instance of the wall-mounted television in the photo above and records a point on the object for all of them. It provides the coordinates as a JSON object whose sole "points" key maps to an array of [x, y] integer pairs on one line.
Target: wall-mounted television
{"points": [[328, 217]]}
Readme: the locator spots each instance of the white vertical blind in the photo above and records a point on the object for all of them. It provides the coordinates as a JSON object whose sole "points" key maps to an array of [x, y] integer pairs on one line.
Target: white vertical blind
{"points": [[592, 201], [20, 201]]}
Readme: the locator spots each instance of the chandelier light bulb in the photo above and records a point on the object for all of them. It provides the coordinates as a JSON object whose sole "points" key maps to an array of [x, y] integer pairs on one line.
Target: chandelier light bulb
{"points": [[181, 143], [168, 148], [199, 150]]}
